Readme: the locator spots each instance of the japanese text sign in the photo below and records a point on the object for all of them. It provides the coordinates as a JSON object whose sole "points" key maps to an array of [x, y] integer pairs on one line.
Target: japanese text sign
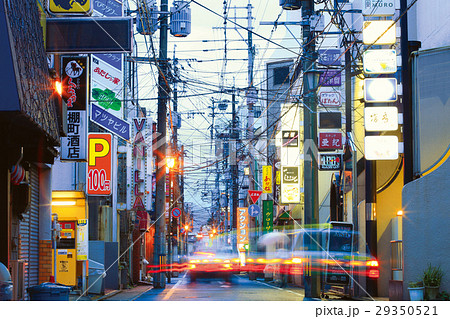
{"points": [[82, 239], [110, 122], [330, 78], [330, 141], [329, 99], [242, 225], [99, 164], [381, 118], [74, 145], [330, 57], [381, 147], [267, 179], [74, 82], [254, 195], [107, 86], [290, 184], [267, 216]]}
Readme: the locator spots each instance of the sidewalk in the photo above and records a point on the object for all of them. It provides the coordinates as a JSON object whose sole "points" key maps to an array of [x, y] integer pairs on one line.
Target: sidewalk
{"points": [[126, 294]]}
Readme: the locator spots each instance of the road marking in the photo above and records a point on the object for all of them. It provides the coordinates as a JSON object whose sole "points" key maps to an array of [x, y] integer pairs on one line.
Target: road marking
{"points": [[292, 292], [172, 290]]}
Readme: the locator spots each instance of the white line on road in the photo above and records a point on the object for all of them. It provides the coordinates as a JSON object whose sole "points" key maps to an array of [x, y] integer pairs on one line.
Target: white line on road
{"points": [[172, 290], [292, 292]]}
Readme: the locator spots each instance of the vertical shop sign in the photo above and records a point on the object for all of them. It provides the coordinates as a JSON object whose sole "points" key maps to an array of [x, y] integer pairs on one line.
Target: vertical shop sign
{"points": [[242, 223], [82, 239], [268, 216], [99, 164], [267, 179], [74, 93], [290, 185]]}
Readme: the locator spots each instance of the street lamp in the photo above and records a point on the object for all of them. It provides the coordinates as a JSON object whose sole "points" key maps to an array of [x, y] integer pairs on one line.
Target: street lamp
{"points": [[310, 85], [312, 77], [170, 162]]}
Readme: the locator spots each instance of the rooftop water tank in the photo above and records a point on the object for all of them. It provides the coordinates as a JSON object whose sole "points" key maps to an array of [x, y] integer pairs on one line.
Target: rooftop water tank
{"points": [[180, 19]]}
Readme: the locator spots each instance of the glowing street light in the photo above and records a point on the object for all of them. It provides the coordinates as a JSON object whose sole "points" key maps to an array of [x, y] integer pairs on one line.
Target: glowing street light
{"points": [[170, 162]]}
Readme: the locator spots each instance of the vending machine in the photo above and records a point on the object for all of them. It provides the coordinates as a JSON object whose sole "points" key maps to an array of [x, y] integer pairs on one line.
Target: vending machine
{"points": [[66, 254]]}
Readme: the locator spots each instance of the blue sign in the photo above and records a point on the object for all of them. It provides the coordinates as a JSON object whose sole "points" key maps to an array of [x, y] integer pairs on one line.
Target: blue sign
{"points": [[108, 8], [176, 212], [330, 78], [110, 122], [254, 210], [330, 57]]}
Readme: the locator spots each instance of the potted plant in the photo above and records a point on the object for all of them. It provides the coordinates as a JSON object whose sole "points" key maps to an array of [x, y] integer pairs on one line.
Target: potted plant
{"points": [[432, 277], [416, 290]]}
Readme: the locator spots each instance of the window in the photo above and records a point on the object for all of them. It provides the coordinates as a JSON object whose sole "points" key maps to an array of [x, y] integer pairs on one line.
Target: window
{"points": [[281, 75]]}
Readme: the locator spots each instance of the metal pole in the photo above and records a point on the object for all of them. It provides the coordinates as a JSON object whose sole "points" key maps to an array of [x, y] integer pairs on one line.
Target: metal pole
{"points": [[312, 278], [160, 198], [233, 162]]}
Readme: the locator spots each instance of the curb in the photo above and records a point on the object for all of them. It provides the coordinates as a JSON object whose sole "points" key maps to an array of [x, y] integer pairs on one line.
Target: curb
{"points": [[109, 295], [136, 297]]}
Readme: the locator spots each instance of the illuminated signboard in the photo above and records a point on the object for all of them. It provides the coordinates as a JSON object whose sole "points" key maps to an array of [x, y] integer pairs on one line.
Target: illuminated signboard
{"points": [[378, 8], [74, 76], [330, 141], [99, 164], [379, 32], [381, 147], [380, 61], [267, 179], [70, 7], [329, 99], [268, 216], [242, 225], [381, 118], [330, 162], [380, 90], [290, 184]]}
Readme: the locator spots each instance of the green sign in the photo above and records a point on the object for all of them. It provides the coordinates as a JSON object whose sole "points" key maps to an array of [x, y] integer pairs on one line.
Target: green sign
{"points": [[106, 99], [268, 216]]}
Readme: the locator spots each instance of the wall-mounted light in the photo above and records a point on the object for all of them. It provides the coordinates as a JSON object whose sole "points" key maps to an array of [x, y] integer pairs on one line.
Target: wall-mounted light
{"points": [[64, 203], [379, 32], [380, 90]]}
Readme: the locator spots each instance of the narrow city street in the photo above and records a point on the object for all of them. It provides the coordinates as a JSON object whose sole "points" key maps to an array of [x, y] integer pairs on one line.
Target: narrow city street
{"points": [[240, 289]]}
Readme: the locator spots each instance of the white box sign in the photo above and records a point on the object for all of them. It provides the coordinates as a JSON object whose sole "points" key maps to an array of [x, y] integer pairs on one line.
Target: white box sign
{"points": [[330, 99], [380, 61], [379, 32], [378, 8], [381, 147], [381, 118]]}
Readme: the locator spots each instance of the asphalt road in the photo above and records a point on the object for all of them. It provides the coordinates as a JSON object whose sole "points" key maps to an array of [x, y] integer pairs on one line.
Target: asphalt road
{"points": [[240, 289]]}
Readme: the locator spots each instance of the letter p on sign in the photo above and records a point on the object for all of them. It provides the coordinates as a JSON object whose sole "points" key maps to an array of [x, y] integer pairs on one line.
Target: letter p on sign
{"points": [[99, 164]]}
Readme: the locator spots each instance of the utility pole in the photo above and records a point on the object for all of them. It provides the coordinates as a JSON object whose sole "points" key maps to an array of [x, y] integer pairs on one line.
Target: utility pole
{"points": [[233, 162], [250, 119], [159, 255], [312, 277]]}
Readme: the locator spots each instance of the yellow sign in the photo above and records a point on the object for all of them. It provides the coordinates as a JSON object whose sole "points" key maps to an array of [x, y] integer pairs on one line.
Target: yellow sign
{"points": [[70, 6], [242, 225], [267, 179], [278, 177], [82, 239]]}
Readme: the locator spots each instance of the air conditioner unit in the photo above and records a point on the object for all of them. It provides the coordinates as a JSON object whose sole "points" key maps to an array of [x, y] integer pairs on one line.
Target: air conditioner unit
{"points": [[18, 279]]}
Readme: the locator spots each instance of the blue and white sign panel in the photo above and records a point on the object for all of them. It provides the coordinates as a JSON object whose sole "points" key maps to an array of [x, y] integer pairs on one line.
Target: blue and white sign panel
{"points": [[176, 212], [108, 121], [254, 210]]}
